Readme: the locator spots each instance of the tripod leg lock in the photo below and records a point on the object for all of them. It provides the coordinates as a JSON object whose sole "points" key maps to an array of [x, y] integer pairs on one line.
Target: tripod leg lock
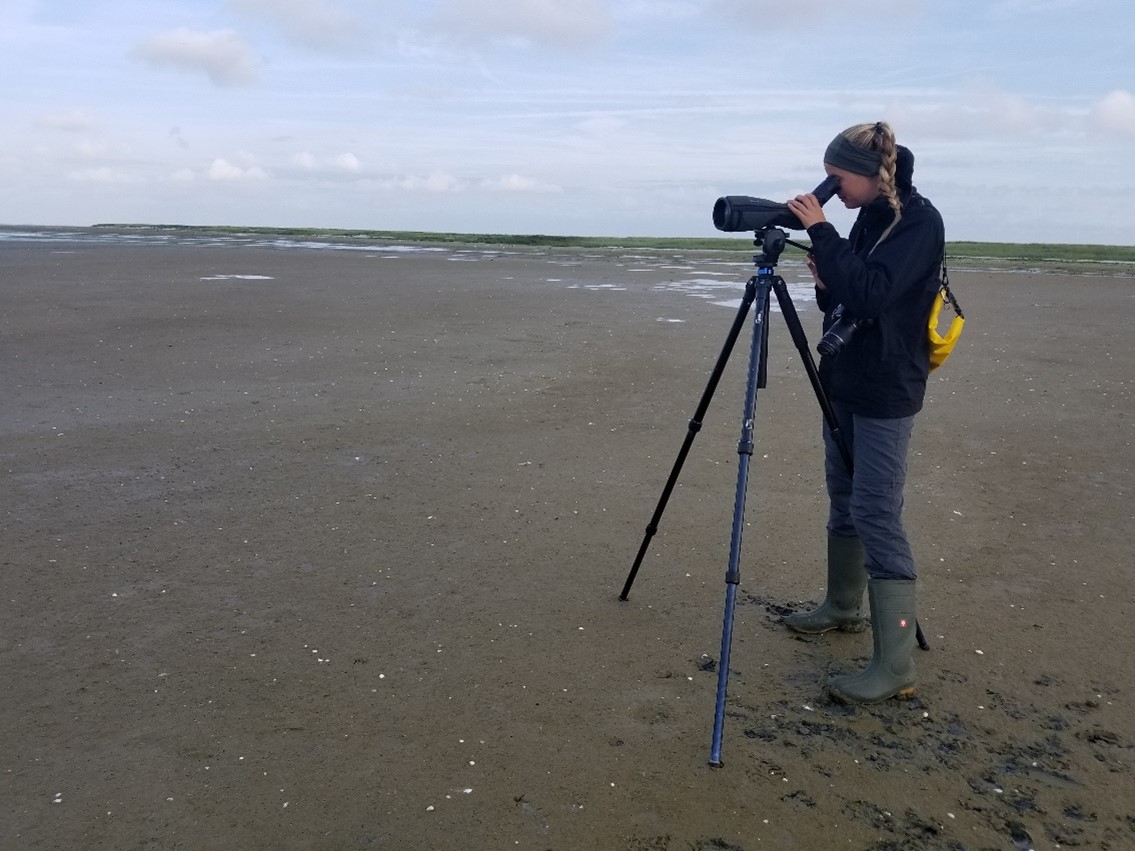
{"points": [[695, 426], [745, 447]]}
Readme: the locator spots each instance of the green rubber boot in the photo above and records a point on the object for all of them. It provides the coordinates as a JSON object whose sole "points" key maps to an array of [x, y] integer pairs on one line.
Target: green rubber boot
{"points": [[843, 604], [890, 672]]}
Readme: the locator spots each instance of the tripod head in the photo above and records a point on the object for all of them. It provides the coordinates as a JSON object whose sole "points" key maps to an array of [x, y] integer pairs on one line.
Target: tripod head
{"points": [[771, 242]]}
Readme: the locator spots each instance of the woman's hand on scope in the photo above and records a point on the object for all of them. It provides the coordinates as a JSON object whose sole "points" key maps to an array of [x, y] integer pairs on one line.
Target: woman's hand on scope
{"points": [[807, 209]]}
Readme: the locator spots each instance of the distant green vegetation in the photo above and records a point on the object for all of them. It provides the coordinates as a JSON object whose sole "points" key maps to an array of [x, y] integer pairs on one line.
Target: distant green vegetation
{"points": [[533, 240], [1039, 251], [999, 251]]}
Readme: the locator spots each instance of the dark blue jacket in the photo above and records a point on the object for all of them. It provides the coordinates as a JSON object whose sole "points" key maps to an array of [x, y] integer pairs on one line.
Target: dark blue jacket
{"points": [[882, 370]]}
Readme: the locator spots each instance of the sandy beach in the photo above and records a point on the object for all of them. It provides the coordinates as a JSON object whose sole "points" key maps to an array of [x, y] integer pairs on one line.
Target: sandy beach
{"points": [[317, 548]]}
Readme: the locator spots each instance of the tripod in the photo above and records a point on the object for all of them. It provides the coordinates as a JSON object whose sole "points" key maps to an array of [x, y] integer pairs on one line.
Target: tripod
{"points": [[771, 241]]}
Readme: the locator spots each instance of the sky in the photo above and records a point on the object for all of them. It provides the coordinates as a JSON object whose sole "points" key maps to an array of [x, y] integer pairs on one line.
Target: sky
{"points": [[571, 117]]}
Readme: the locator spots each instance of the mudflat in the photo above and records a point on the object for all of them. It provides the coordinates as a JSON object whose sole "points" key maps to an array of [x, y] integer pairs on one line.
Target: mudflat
{"points": [[317, 548]]}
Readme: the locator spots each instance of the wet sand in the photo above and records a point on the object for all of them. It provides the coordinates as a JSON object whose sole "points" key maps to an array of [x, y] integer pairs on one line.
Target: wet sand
{"points": [[313, 549]]}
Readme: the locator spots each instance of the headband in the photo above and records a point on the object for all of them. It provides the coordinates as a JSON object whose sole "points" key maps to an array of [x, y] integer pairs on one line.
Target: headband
{"points": [[844, 154]]}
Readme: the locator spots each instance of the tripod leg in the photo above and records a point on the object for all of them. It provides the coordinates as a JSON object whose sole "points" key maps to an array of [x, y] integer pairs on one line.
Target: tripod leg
{"points": [[695, 427], [745, 453], [796, 331]]}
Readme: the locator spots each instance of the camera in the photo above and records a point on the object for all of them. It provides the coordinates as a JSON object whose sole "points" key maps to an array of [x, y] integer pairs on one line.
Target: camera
{"points": [[841, 330], [741, 212]]}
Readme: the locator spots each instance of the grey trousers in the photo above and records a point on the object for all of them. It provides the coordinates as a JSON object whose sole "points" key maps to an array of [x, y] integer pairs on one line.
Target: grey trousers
{"points": [[868, 504]]}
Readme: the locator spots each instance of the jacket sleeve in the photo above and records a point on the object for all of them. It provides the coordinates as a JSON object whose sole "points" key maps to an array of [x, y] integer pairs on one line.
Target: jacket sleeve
{"points": [[867, 286], [823, 300]]}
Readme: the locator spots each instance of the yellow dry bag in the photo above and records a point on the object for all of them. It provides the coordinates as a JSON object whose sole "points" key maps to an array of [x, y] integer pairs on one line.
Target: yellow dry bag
{"points": [[941, 345]]}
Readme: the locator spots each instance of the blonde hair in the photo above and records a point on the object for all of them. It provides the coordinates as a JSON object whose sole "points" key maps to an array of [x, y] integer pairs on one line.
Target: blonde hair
{"points": [[880, 138]]}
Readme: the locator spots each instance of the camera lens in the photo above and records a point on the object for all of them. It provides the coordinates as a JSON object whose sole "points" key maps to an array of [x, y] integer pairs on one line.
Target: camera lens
{"points": [[832, 343]]}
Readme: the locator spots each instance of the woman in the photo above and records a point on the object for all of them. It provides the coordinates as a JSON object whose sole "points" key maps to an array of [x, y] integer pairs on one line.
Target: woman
{"points": [[886, 276]]}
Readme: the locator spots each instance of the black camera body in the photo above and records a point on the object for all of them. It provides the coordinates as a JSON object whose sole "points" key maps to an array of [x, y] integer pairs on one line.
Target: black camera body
{"points": [[734, 213]]}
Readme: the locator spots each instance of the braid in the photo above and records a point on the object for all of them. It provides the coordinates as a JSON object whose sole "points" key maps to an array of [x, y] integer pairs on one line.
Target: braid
{"points": [[884, 139], [884, 143]]}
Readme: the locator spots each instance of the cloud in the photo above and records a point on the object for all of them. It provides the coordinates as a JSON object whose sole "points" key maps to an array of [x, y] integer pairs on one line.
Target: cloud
{"points": [[773, 16], [75, 121], [102, 174], [977, 112], [304, 160], [634, 11], [990, 111], [88, 149], [320, 25], [436, 181], [601, 125], [545, 23], [224, 171], [1014, 10], [346, 161], [221, 54], [442, 182], [518, 183], [1115, 113], [1013, 114]]}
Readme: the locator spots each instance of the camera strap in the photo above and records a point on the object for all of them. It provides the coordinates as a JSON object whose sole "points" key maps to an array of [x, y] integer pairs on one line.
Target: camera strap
{"points": [[886, 233], [947, 293]]}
